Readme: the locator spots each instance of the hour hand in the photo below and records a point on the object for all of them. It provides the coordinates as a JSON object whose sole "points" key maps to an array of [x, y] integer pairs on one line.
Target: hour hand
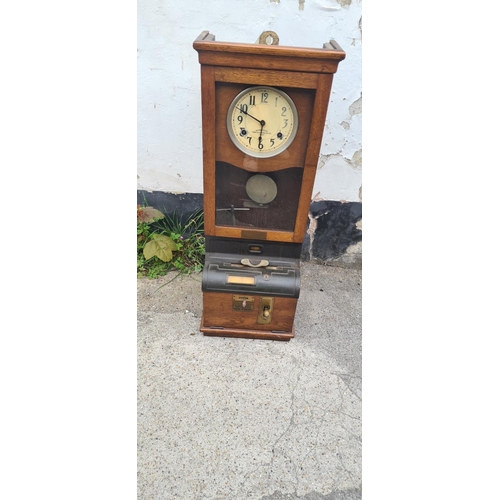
{"points": [[261, 122]]}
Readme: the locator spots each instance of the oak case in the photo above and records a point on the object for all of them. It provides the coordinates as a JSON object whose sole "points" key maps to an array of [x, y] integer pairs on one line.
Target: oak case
{"points": [[233, 223]]}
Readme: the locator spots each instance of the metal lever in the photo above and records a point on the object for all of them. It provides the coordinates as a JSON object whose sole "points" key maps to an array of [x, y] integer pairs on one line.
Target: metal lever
{"points": [[254, 263]]}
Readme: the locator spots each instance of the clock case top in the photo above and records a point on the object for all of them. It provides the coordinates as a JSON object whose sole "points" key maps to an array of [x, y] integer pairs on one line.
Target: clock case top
{"points": [[306, 75]]}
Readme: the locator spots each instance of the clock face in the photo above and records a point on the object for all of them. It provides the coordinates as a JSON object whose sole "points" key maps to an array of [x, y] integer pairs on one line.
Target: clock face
{"points": [[262, 121]]}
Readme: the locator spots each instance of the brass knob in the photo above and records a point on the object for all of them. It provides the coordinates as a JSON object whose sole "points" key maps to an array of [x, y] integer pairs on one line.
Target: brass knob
{"points": [[265, 312]]}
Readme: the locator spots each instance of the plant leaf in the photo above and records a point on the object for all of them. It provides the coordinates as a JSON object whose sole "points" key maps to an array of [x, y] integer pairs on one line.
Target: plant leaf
{"points": [[148, 214], [160, 246]]}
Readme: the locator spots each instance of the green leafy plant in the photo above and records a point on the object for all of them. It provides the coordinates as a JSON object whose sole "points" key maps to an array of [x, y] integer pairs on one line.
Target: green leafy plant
{"points": [[165, 243]]}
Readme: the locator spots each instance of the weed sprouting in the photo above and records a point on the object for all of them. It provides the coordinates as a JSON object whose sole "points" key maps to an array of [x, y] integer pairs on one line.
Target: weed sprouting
{"points": [[166, 243]]}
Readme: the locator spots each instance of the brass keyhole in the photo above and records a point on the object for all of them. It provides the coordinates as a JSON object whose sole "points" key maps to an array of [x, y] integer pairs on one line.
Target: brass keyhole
{"points": [[265, 310]]}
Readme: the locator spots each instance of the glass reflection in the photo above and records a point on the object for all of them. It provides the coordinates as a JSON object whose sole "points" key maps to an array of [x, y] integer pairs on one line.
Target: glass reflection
{"points": [[260, 200]]}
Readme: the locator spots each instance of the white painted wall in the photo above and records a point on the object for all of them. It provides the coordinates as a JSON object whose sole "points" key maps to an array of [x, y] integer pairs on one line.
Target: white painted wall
{"points": [[169, 112]]}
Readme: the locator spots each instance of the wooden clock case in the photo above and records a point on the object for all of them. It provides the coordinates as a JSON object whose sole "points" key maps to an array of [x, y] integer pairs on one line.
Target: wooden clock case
{"points": [[258, 298]]}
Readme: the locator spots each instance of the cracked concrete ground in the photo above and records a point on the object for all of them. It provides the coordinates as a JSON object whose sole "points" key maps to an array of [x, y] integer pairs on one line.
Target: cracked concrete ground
{"points": [[225, 418]]}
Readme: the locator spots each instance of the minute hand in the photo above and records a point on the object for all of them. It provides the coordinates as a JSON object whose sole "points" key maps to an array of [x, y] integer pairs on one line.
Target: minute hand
{"points": [[261, 122]]}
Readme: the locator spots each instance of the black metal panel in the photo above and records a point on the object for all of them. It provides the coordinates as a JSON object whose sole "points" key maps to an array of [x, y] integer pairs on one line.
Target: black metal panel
{"points": [[275, 281], [266, 249], [224, 271]]}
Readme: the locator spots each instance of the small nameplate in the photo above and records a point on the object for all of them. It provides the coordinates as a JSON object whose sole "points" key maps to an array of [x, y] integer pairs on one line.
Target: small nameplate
{"points": [[253, 235], [241, 280], [242, 303]]}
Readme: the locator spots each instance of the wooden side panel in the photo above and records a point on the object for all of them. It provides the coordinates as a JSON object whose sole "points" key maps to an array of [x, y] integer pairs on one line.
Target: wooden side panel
{"points": [[208, 138], [312, 154], [218, 312], [318, 118]]}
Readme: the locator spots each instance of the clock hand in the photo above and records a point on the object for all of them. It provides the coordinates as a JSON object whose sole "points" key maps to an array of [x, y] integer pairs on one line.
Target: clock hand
{"points": [[262, 122]]}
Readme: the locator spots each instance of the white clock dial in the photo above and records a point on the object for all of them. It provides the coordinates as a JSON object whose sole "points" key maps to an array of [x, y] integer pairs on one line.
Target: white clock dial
{"points": [[262, 121]]}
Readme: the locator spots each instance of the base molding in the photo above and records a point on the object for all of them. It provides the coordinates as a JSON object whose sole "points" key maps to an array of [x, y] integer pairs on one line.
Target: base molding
{"points": [[246, 333]]}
